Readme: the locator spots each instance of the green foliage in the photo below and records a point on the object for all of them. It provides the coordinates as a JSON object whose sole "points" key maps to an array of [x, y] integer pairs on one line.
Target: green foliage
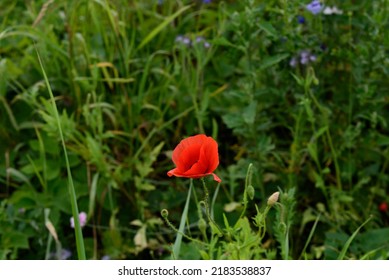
{"points": [[296, 107]]}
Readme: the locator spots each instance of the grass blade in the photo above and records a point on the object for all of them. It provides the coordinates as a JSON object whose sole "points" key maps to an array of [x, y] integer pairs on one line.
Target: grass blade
{"points": [[177, 243], [310, 236], [160, 27], [72, 192], [347, 245]]}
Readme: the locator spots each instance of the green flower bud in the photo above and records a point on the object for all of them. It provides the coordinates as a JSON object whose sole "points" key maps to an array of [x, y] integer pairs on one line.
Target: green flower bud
{"points": [[250, 192], [202, 225], [164, 213]]}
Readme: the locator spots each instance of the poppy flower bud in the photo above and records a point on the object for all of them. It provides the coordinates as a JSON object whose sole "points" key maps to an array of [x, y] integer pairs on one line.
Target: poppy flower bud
{"points": [[164, 213], [251, 192], [202, 225], [196, 157], [273, 199]]}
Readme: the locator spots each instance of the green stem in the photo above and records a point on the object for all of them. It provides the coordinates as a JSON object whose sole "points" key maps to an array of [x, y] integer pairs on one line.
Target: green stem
{"points": [[206, 196], [247, 184]]}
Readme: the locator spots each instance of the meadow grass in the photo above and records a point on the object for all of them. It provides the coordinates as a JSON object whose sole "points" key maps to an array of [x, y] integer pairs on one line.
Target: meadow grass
{"points": [[297, 102]]}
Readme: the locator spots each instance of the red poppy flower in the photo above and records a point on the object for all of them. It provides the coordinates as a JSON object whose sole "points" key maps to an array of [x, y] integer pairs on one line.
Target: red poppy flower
{"points": [[195, 157]]}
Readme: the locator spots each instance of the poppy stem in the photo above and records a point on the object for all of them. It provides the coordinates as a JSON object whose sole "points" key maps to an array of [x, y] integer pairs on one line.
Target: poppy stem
{"points": [[164, 214], [247, 184], [206, 206]]}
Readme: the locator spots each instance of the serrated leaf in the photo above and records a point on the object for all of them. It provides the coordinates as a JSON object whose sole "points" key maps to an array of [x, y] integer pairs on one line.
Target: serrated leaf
{"points": [[268, 28], [250, 112]]}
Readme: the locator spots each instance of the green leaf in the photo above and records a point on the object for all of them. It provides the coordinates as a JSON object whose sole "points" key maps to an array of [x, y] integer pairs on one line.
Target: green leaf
{"points": [[268, 28], [15, 239], [272, 60], [250, 112]]}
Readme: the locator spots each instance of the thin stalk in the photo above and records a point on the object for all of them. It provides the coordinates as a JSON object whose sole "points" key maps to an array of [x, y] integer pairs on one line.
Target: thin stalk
{"points": [[206, 205], [247, 184], [72, 192]]}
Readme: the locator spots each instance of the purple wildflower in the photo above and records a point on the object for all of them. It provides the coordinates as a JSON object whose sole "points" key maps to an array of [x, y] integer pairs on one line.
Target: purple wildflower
{"points": [[314, 7], [293, 62], [183, 40], [207, 1], [82, 217], [64, 254], [303, 58], [200, 39]]}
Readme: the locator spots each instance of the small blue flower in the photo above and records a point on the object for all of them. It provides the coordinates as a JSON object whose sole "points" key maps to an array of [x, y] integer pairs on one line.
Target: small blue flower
{"points": [[301, 19], [207, 1], [314, 7], [323, 47]]}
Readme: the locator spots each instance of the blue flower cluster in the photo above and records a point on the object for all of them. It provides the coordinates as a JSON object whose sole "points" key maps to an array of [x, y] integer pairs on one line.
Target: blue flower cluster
{"points": [[184, 40], [303, 58]]}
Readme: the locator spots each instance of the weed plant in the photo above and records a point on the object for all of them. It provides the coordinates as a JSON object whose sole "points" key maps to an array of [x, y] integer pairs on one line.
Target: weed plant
{"points": [[295, 96]]}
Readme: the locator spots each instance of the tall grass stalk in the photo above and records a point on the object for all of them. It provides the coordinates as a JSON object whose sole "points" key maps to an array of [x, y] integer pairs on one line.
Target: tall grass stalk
{"points": [[72, 191], [184, 216]]}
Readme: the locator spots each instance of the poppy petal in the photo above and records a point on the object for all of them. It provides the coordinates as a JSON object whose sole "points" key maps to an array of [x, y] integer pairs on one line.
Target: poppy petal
{"points": [[216, 178], [187, 151], [172, 172], [209, 155], [198, 168]]}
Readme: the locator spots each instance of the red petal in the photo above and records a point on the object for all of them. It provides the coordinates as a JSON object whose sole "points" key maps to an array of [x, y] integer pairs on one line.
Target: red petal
{"points": [[216, 178], [197, 169], [172, 172], [187, 152], [209, 155]]}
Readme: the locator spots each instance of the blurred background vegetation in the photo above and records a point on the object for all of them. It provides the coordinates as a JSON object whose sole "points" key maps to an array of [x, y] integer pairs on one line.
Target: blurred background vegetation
{"points": [[301, 96]]}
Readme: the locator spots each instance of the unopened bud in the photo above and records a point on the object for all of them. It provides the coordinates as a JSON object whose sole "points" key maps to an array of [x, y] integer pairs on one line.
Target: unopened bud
{"points": [[250, 192], [202, 225], [164, 213], [273, 199]]}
